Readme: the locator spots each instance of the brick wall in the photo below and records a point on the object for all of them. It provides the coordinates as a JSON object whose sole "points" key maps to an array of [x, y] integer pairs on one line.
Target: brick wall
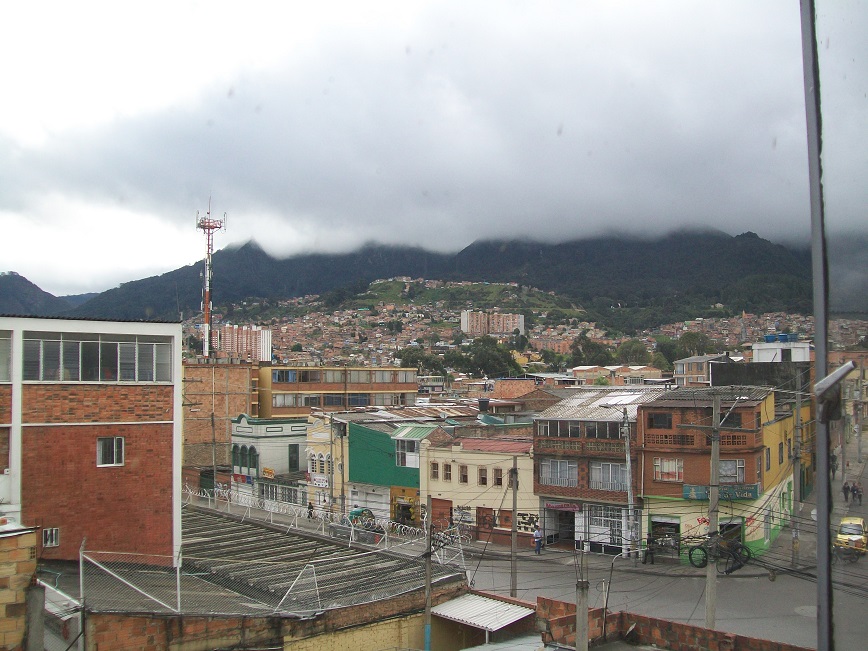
{"points": [[109, 631], [6, 404], [96, 403], [119, 508], [224, 390], [17, 569], [557, 622]]}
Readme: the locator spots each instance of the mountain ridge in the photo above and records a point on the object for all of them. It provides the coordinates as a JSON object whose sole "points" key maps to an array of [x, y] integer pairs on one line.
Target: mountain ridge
{"points": [[656, 278]]}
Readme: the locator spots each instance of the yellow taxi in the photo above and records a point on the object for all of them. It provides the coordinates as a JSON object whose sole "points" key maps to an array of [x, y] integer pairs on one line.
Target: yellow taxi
{"points": [[851, 533]]}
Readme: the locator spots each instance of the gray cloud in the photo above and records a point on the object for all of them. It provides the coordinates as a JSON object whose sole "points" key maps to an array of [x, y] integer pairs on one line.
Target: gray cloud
{"points": [[552, 121]]}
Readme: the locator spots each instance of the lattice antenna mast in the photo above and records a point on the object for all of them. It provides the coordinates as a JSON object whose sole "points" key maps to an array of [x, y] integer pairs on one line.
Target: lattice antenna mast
{"points": [[208, 225]]}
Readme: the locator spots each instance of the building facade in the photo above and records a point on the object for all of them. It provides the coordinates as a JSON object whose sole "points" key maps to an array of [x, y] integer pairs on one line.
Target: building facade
{"points": [[467, 474], [757, 453], [90, 418], [286, 391], [584, 471]]}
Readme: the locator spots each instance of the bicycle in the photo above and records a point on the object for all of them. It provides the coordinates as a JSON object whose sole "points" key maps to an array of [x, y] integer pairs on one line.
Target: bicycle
{"points": [[845, 554], [728, 555]]}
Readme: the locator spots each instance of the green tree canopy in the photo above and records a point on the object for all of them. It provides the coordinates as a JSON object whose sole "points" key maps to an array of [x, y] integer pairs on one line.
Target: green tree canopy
{"points": [[632, 352], [691, 344]]}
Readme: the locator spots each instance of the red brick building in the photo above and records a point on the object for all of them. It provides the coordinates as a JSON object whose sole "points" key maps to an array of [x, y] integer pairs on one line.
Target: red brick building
{"points": [[90, 422], [580, 467]]}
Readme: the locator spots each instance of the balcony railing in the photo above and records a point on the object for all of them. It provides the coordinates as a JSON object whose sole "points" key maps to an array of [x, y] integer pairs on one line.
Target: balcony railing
{"points": [[608, 486], [552, 443], [564, 482], [592, 445]]}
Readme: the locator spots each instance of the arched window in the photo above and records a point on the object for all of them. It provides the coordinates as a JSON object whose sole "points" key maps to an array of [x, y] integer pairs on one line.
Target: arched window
{"points": [[329, 464], [311, 463], [242, 460], [321, 464], [253, 462], [236, 454]]}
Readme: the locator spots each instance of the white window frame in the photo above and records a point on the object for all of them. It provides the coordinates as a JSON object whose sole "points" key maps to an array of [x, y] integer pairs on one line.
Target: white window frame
{"points": [[668, 469], [559, 472], [602, 473], [117, 447], [726, 478], [407, 453], [51, 537]]}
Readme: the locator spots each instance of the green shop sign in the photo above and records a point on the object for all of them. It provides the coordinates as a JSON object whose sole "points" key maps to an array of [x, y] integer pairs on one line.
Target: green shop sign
{"points": [[726, 492]]}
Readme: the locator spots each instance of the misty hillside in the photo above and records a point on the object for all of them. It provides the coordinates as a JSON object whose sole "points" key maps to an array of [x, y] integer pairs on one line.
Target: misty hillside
{"points": [[629, 283], [19, 296]]}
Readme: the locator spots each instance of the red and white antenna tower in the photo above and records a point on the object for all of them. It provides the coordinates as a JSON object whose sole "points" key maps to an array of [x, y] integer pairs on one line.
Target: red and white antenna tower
{"points": [[208, 225]]}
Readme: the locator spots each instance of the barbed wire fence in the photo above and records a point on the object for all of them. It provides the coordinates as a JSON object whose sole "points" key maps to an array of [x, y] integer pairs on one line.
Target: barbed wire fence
{"points": [[383, 559]]}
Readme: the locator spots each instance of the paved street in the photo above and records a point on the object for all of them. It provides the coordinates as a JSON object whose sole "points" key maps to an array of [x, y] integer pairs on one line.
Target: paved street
{"points": [[749, 601]]}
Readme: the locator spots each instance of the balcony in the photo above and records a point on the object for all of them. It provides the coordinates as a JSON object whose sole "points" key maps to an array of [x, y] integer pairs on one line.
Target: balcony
{"points": [[596, 445], [563, 482], [608, 486]]}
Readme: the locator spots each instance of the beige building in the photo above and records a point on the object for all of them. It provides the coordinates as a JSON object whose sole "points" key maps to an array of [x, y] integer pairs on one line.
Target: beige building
{"points": [[468, 479]]}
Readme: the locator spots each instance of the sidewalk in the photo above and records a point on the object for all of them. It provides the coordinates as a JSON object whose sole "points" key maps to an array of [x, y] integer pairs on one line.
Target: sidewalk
{"points": [[781, 548]]}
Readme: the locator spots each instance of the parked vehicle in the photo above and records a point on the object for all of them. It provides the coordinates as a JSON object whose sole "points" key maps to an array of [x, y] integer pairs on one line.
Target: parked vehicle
{"points": [[852, 534]]}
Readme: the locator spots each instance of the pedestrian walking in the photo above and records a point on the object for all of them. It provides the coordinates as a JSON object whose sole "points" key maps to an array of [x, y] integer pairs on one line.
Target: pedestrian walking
{"points": [[649, 550], [834, 465], [309, 510], [537, 539], [859, 491], [846, 490]]}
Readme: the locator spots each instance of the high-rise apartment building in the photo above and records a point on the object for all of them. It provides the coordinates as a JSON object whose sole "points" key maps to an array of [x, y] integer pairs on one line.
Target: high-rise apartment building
{"points": [[491, 323]]}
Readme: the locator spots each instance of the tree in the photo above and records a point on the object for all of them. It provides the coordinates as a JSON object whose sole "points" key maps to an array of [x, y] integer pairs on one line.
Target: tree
{"points": [[296, 348], [691, 344], [632, 352], [585, 351], [667, 347], [658, 360]]}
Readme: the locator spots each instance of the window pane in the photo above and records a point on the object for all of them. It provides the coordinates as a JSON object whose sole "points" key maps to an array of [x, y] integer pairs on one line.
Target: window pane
{"points": [[119, 450], [145, 371], [51, 360], [5, 360], [108, 362], [71, 354], [32, 354], [127, 365], [89, 361], [164, 362]]}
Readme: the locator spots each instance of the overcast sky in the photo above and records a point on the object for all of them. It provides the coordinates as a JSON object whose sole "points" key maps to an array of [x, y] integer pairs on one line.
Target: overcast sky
{"points": [[318, 126]]}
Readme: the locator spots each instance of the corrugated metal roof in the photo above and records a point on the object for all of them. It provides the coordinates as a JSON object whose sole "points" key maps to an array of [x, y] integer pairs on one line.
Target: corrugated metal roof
{"points": [[495, 445], [690, 396], [414, 431], [481, 612], [602, 403]]}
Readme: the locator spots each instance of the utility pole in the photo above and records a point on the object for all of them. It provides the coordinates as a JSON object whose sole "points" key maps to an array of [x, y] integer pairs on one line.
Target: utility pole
{"points": [[582, 605], [797, 474], [713, 496], [513, 570], [428, 532], [331, 467], [857, 413], [631, 504], [214, 453]]}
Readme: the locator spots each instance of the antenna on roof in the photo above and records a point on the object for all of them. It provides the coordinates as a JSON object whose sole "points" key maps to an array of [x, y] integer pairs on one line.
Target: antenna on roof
{"points": [[208, 226]]}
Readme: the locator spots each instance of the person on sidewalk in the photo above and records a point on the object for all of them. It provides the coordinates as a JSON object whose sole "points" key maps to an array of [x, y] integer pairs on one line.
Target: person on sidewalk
{"points": [[846, 490], [834, 464], [309, 510], [857, 491], [649, 550], [537, 539]]}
